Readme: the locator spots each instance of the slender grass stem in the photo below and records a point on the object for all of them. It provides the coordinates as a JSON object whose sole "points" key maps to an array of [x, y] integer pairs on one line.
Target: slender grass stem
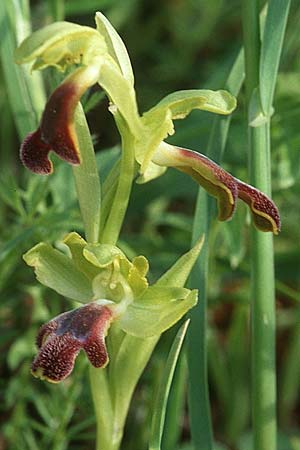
{"points": [[197, 346], [25, 90], [263, 307], [262, 263]]}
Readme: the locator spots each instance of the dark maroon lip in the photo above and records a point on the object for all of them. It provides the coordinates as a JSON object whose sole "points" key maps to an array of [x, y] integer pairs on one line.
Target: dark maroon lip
{"points": [[60, 340], [264, 212]]}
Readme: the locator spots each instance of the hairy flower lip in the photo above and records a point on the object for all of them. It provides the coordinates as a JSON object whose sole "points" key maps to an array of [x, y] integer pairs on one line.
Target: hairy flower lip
{"points": [[57, 127], [57, 131], [264, 211], [222, 185], [34, 154], [60, 340]]}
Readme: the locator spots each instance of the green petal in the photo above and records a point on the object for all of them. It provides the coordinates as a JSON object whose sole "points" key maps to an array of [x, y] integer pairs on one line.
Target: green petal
{"points": [[115, 46], [77, 245], [102, 255], [137, 275], [157, 310], [58, 271], [61, 44]]}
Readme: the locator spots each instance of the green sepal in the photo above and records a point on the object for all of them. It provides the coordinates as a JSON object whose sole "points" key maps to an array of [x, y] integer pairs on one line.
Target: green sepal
{"points": [[178, 274], [115, 46], [181, 103], [157, 310], [61, 44], [121, 94], [58, 272]]}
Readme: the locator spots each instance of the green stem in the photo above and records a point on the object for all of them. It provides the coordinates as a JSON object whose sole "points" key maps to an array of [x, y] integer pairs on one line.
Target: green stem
{"points": [[263, 293], [117, 213], [263, 307], [103, 408], [199, 407]]}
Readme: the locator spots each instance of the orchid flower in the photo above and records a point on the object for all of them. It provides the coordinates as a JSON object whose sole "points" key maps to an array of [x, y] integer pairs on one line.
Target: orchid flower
{"points": [[103, 59], [113, 290]]}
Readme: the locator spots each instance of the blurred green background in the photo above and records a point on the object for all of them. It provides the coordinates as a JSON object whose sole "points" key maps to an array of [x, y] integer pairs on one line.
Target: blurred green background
{"points": [[173, 44]]}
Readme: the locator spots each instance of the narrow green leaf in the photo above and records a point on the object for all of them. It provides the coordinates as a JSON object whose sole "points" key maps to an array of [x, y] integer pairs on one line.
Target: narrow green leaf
{"points": [[272, 41], [161, 400], [25, 90], [199, 408]]}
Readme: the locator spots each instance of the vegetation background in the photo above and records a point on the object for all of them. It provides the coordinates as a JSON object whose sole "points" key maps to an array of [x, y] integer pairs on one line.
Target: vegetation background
{"points": [[173, 44]]}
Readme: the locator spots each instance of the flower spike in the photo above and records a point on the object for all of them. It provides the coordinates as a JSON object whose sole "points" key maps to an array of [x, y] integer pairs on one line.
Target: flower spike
{"points": [[60, 340], [221, 185], [57, 131]]}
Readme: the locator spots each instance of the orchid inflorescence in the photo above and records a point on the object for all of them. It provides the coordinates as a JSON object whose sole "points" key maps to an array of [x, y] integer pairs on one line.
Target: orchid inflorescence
{"points": [[114, 289]]}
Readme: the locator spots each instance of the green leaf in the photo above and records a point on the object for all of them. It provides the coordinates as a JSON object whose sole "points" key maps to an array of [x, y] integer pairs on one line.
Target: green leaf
{"points": [[58, 272], [157, 310], [178, 274], [115, 46], [271, 50], [161, 400]]}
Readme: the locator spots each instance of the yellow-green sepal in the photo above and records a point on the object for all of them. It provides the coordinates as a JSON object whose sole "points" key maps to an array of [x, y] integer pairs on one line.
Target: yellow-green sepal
{"points": [[157, 310], [61, 44], [57, 271], [115, 46]]}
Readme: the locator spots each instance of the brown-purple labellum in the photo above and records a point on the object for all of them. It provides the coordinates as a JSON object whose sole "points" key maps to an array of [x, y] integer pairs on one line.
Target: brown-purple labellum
{"points": [[215, 180], [264, 212], [60, 340], [57, 125], [34, 154]]}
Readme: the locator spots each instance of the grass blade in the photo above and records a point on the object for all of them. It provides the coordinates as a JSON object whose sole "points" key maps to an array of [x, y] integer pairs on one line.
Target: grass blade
{"points": [[273, 36], [197, 351], [160, 406], [25, 90]]}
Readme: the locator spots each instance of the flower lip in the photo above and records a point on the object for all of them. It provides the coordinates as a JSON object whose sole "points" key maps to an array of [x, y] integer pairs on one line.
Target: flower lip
{"points": [[60, 340], [34, 154], [57, 127], [222, 185], [265, 213], [57, 130]]}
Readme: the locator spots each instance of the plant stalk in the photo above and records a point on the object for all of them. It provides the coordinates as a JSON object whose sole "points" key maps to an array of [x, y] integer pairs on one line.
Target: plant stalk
{"points": [[262, 264]]}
